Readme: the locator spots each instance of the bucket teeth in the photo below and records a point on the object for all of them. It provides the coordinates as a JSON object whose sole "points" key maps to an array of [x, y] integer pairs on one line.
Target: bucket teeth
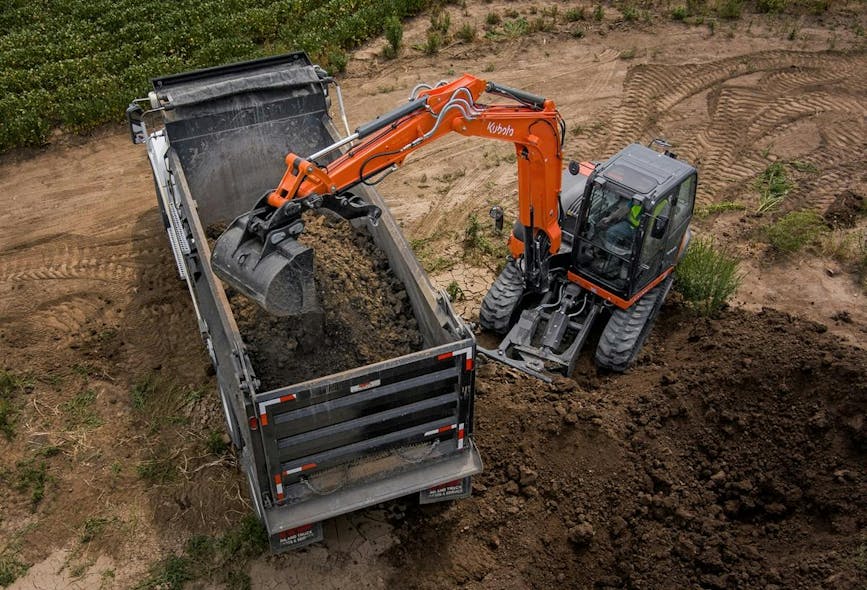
{"points": [[279, 277]]}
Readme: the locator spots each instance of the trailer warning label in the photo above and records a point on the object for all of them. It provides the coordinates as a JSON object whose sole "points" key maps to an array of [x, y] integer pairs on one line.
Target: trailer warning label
{"points": [[302, 535], [459, 488]]}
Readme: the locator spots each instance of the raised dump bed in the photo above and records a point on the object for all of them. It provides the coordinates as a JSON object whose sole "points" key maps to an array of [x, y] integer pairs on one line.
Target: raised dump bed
{"points": [[370, 400]]}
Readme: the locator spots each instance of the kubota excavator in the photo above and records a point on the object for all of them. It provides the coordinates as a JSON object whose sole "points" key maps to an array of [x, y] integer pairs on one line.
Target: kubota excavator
{"points": [[592, 241]]}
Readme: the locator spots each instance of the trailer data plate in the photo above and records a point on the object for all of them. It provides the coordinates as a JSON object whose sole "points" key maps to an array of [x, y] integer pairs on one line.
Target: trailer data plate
{"points": [[297, 537]]}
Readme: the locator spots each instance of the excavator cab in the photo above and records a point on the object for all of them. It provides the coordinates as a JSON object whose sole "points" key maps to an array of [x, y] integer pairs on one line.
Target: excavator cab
{"points": [[625, 225]]}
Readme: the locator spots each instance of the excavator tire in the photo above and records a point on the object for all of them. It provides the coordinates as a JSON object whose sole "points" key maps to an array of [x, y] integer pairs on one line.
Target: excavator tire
{"points": [[627, 329], [499, 304]]}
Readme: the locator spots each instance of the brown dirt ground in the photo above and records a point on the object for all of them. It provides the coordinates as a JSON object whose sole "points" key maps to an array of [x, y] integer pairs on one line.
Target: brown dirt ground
{"points": [[732, 456]]}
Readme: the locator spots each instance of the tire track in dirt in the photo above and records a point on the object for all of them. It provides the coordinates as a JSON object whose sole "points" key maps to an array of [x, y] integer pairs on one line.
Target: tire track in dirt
{"points": [[751, 97]]}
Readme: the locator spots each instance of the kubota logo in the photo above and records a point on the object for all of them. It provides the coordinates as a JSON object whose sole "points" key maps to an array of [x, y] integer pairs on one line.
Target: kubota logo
{"points": [[498, 129]]}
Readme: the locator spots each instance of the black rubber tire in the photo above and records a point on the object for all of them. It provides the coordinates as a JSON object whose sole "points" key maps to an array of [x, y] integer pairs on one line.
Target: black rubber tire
{"points": [[502, 299], [627, 329]]}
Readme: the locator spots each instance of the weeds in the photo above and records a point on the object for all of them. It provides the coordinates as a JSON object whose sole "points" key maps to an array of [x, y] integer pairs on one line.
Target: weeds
{"points": [[159, 469], [721, 207], [11, 568], [429, 258], [795, 230], [440, 21], [92, 528], [221, 560], [455, 292], [466, 33], [433, 43], [805, 167], [30, 477], [773, 186], [79, 412], [679, 13], [216, 443], [707, 277], [517, 27], [628, 53], [598, 13], [478, 240], [9, 386], [575, 14], [493, 19], [394, 37], [729, 9]]}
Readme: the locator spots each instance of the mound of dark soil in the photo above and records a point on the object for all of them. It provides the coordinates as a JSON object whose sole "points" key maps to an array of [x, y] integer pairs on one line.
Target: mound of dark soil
{"points": [[732, 456], [366, 314]]}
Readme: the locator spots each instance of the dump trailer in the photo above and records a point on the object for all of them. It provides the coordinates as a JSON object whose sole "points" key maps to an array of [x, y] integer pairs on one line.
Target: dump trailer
{"points": [[313, 450]]}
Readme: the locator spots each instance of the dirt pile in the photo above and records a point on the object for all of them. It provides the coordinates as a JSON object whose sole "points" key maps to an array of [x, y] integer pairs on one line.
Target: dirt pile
{"points": [[366, 313], [731, 457]]}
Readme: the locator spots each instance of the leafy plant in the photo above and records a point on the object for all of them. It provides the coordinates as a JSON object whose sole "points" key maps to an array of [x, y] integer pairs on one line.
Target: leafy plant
{"points": [[466, 33], [795, 230], [455, 292], [773, 186], [707, 276], [394, 36]]}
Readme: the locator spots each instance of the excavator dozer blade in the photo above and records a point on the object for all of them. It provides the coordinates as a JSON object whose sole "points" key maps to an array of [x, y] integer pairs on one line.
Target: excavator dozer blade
{"points": [[278, 276]]}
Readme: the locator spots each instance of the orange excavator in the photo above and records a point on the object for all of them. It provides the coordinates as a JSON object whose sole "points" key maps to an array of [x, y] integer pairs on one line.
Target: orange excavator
{"points": [[591, 241]]}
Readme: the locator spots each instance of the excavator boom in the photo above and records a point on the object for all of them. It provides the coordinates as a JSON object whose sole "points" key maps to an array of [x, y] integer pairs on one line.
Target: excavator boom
{"points": [[258, 253]]}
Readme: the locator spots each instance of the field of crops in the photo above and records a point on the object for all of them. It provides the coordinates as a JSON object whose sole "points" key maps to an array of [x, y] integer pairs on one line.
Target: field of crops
{"points": [[75, 64]]}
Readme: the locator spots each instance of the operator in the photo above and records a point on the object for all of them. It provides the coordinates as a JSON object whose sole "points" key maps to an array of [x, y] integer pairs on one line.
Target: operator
{"points": [[622, 222]]}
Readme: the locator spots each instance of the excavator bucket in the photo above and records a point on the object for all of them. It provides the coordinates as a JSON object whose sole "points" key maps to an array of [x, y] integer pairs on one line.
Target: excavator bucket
{"points": [[250, 114], [278, 276]]}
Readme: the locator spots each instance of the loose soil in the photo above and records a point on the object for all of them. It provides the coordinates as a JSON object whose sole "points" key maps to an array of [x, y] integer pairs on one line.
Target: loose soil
{"points": [[732, 456], [365, 317]]}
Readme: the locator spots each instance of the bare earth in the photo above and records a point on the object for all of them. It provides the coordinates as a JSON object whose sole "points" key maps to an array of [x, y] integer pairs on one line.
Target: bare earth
{"points": [[732, 456]]}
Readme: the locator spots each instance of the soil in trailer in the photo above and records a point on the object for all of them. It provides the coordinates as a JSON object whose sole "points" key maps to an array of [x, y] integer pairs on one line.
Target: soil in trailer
{"points": [[366, 314]]}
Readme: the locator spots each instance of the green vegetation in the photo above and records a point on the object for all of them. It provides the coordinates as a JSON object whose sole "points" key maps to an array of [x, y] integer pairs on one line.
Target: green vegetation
{"points": [[429, 257], [9, 386], [219, 560], [11, 568], [455, 292], [598, 13], [517, 27], [394, 36], [575, 14], [679, 13], [773, 186], [721, 207], [481, 240], [433, 43], [216, 443], [30, 477], [795, 230], [92, 528], [76, 64], [159, 469], [493, 19], [79, 412], [466, 33], [707, 276]]}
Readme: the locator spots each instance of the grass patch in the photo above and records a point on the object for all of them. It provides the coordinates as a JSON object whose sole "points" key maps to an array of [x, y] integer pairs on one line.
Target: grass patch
{"points": [[79, 412], [575, 14], [721, 207], [11, 568], [30, 478], [10, 385], [219, 560], [429, 256], [493, 19], [159, 469], [466, 33], [707, 276], [773, 185], [482, 241], [794, 231], [517, 27], [92, 528], [216, 443]]}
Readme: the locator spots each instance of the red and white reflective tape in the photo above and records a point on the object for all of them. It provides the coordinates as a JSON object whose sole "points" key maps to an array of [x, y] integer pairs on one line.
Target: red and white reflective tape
{"points": [[304, 467], [263, 406], [461, 435], [441, 429], [363, 386], [278, 481], [468, 362]]}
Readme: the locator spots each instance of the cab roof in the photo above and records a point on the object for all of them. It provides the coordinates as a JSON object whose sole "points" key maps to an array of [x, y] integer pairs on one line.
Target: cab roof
{"points": [[647, 173]]}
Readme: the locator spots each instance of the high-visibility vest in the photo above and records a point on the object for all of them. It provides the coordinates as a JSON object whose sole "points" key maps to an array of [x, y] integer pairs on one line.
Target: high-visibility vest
{"points": [[635, 214]]}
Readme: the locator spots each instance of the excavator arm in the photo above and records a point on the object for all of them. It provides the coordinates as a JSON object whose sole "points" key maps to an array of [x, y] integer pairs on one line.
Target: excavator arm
{"points": [[258, 254]]}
